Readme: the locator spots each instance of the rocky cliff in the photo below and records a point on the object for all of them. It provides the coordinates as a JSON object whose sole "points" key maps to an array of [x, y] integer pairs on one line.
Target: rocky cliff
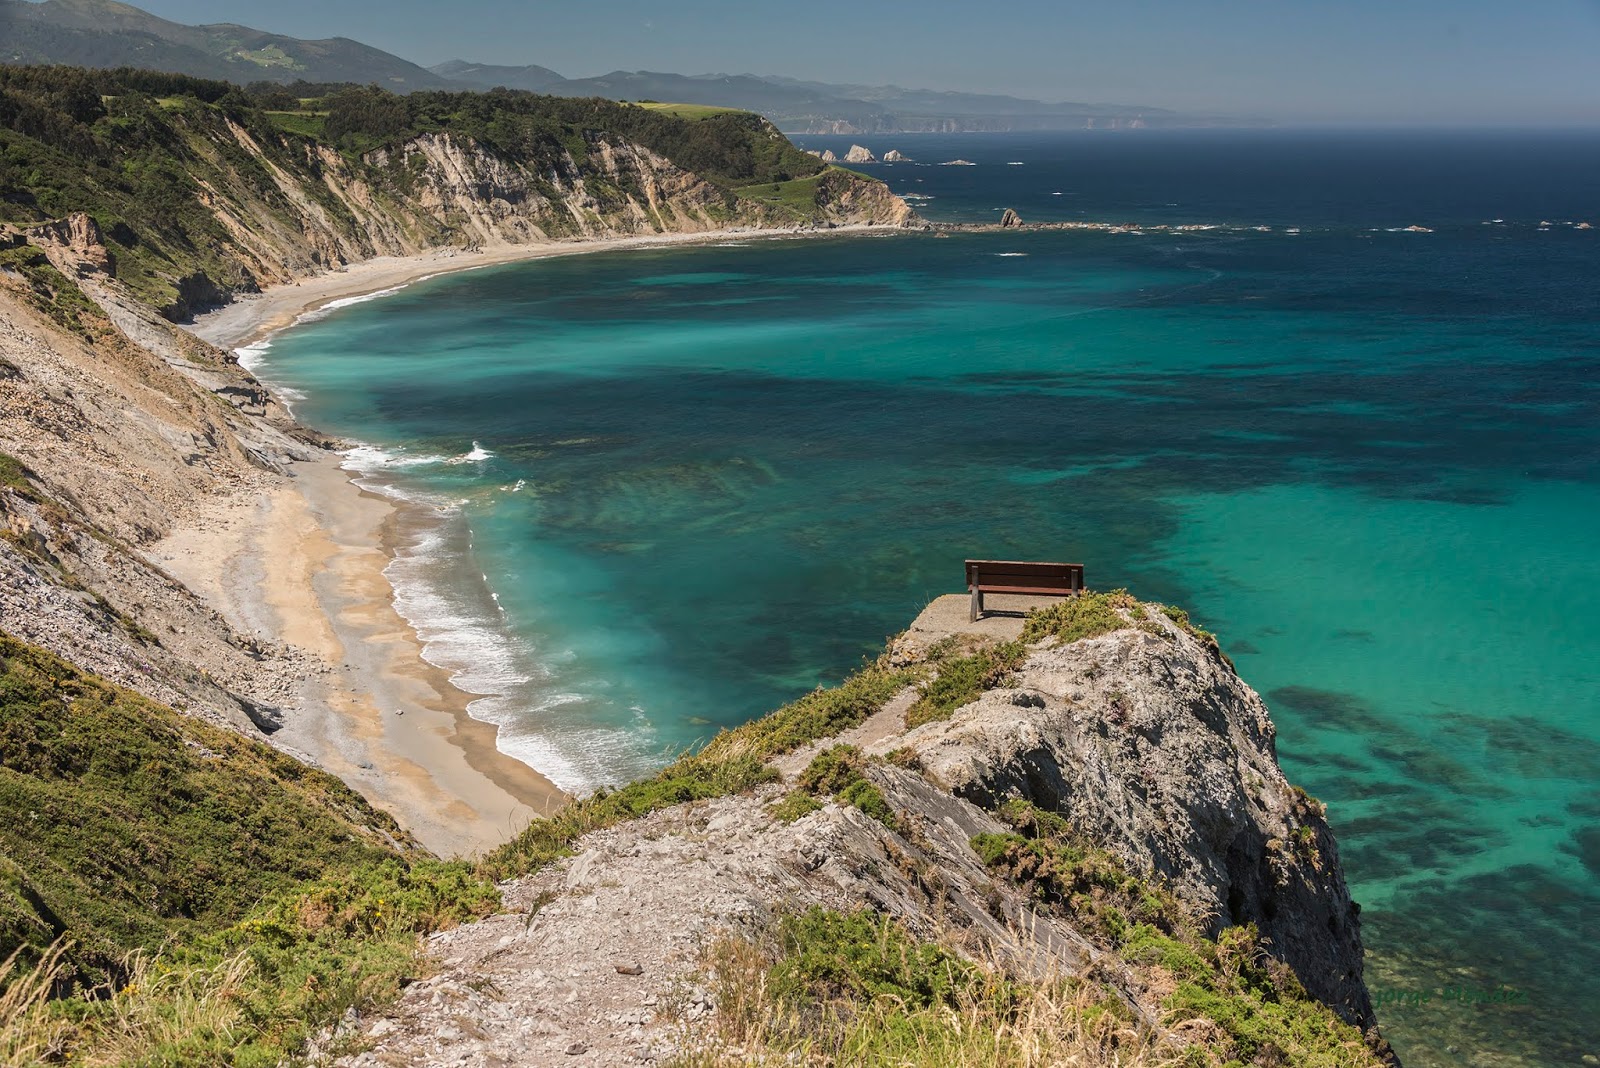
{"points": [[114, 427], [195, 191], [443, 190], [1138, 745]]}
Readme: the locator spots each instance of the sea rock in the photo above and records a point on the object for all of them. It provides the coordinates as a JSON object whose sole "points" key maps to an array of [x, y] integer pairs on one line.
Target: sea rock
{"points": [[859, 154], [1009, 218], [959, 163], [827, 156], [894, 155]]}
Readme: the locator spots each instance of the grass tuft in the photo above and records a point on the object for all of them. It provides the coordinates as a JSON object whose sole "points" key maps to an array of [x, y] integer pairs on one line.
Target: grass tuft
{"points": [[829, 988], [839, 772], [1088, 615], [961, 680], [15, 476]]}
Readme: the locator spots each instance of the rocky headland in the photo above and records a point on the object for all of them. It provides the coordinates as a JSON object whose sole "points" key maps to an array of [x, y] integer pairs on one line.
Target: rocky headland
{"points": [[1089, 805]]}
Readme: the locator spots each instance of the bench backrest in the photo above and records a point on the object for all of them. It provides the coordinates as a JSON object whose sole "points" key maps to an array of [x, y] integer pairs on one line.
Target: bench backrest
{"points": [[1024, 576]]}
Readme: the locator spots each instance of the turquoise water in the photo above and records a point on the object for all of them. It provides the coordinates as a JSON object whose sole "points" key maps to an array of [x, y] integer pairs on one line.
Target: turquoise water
{"points": [[677, 488]]}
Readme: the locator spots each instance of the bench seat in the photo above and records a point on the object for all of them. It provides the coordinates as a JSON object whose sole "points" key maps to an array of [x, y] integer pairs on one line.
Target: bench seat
{"points": [[1036, 577]]}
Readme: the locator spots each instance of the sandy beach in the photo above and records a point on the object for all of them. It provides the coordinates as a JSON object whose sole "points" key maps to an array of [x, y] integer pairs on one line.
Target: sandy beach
{"points": [[252, 318], [301, 561]]}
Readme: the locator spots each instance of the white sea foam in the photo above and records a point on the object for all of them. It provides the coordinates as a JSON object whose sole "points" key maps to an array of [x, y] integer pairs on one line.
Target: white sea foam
{"points": [[477, 455], [462, 632], [1003, 255], [251, 356], [332, 306], [465, 631], [368, 459]]}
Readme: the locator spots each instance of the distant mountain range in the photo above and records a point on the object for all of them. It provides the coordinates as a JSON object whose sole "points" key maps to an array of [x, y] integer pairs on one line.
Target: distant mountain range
{"points": [[815, 107], [103, 33]]}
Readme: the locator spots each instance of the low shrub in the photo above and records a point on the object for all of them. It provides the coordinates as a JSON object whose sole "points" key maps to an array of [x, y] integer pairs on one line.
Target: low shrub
{"points": [[838, 772], [961, 680], [1088, 615], [832, 989]]}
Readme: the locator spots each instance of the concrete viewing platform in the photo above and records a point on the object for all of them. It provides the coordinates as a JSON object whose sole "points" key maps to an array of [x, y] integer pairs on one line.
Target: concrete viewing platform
{"points": [[948, 615]]}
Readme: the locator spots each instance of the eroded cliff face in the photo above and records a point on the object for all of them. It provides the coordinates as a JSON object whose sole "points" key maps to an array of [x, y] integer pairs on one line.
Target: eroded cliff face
{"points": [[115, 427], [295, 208], [1152, 747], [441, 189]]}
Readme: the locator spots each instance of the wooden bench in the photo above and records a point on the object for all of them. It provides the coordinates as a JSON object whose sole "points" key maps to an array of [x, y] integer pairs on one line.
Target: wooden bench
{"points": [[1021, 576]]}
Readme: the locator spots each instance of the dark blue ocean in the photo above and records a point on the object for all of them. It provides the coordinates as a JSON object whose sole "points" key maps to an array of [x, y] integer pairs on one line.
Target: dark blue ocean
{"points": [[1347, 415]]}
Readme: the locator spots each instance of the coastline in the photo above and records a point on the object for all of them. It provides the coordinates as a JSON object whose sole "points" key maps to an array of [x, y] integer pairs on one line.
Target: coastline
{"points": [[255, 318], [303, 560]]}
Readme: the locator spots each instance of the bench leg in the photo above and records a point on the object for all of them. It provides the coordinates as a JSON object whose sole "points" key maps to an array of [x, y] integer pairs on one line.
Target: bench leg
{"points": [[977, 605]]}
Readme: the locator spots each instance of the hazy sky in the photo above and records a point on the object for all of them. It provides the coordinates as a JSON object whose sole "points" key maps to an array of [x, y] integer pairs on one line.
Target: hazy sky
{"points": [[1394, 60]]}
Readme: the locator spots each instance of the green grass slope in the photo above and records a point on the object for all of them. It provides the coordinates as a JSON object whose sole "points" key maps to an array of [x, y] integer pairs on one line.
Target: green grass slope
{"points": [[175, 894], [124, 824]]}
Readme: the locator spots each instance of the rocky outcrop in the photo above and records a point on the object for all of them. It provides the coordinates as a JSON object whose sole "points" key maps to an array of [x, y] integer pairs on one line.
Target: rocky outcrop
{"points": [[124, 428], [1151, 745], [859, 154], [1009, 218], [894, 155], [1144, 739], [843, 199], [77, 240], [827, 156]]}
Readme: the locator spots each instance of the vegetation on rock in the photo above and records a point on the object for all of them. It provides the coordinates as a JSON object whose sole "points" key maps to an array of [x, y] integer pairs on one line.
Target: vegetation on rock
{"points": [[732, 761], [1255, 1009], [831, 988], [1088, 615], [962, 679], [51, 291], [838, 772]]}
